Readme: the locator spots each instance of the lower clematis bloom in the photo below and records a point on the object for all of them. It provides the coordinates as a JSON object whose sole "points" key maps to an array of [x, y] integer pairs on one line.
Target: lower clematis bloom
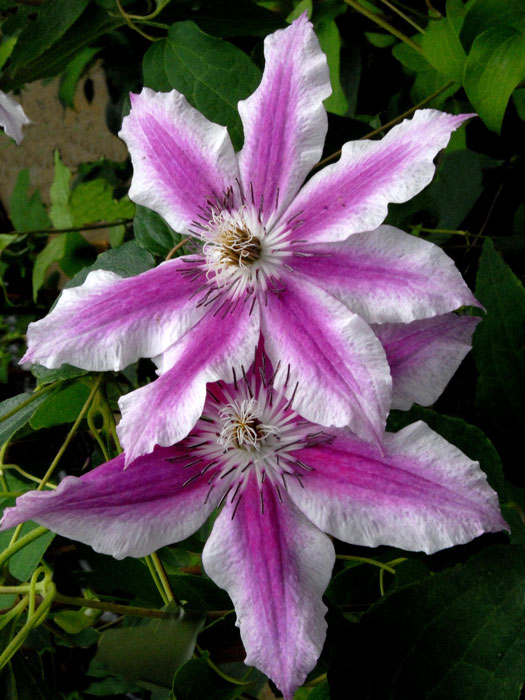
{"points": [[311, 267], [282, 483]]}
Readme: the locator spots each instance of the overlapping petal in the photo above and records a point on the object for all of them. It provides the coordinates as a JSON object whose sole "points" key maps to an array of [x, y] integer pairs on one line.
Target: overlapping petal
{"points": [[109, 322], [386, 275], [424, 355], [353, 194], [284, 120], [275, 565], [334, 357], [180, 159], [164, 412], [123, 512], [420, 493]]}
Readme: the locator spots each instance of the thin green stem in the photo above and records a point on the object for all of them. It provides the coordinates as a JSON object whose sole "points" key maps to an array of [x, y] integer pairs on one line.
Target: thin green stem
{"points": [[220, 673], [25, 403], [93, 430], [14, 612], [161, 573], [156, 579], [131, 24], [69, 229], [3, 480], [109, 607], [392, 122], [71, 434], [17, 545], [27, 475], [108, 414], [403, 16], [384, 24], [365, 560]]}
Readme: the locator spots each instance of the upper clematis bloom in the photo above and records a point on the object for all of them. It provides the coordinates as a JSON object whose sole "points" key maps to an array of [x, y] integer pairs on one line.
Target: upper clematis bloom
{"points": [[309, 267], [12, 117], [282, 483]]}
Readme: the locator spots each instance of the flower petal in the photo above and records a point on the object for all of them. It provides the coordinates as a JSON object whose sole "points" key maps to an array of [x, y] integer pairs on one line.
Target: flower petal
{"points": [[109, 322], [423, 355], [180, 158], [340, 367], [123, 512], [353, 194], [275, 565], [163, 412], [422, 493], [284, 120], [12, 117], [386, 275]]}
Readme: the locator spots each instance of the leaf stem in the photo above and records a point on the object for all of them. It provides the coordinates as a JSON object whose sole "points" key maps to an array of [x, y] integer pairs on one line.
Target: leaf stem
{"points": [[15, 546], [116, 608], [161, 573], [71, 434], [69, 229], [403, 16], [383, 24], [365, 560], [25, 403]]}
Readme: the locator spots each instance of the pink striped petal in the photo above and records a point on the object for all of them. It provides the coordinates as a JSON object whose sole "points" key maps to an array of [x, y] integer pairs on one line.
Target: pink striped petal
{"points": [[332, 355], [353, 194], [180, 158], [164, 412], [284, 120], [419, 493], [275, 566], [109, 322], [386, 275], [123, 512], [424, 355]]}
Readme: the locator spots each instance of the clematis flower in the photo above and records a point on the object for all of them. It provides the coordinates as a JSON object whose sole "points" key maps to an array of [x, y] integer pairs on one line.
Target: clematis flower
{"points": [[309, 268], [12, 117], [282, 483]]}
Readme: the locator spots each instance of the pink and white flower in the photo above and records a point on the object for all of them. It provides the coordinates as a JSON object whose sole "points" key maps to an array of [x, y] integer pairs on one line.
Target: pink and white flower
{"points": [[308, 266], [283, 483]]}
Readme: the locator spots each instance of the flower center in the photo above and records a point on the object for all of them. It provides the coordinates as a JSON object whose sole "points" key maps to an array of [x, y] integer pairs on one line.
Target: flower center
{"points": [[238, 246], [243, 428]]}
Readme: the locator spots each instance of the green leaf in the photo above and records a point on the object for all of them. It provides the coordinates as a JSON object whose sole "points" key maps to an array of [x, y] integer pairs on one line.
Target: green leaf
{"points": [[499, 349], [27, 212], [495, 65], [213, 74], [153, 233], [53, 20], [6, 49], [487, 14], [127, 260], [197, 681], [59, 212], [200, 592], [24, 562], [428, 79], [72, 74], [330, 41], [74, 621], [71, 250], [443, 50], [9, 426], [151, 652], [48, 376], [93, 201], [458, 634], [62, 406], [93, 23], [468, 438], [320, 692]]}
